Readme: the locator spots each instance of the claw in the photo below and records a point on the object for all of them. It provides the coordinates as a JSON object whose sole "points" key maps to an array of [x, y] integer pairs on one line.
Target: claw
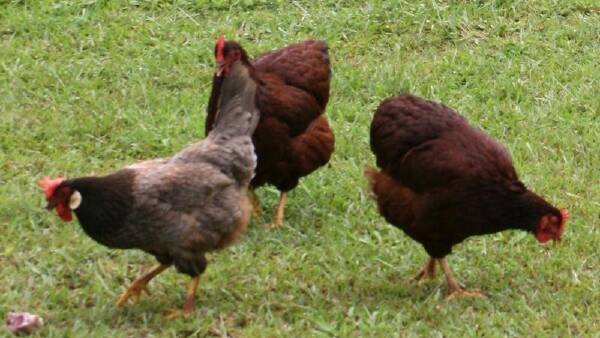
{"points": [[454, 289], [134, 292], [140, 285], [188, 307], [177, 313], [427, 272], [463, 293], [278, 219], [274, 225], [257, 209]]}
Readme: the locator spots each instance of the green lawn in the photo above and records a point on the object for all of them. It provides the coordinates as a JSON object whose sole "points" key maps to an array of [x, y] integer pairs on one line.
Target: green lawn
{"points": [[89, 86]]}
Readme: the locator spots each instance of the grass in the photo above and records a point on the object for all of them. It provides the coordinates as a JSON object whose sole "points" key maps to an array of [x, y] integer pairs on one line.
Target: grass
{"points": [[89, 86]]}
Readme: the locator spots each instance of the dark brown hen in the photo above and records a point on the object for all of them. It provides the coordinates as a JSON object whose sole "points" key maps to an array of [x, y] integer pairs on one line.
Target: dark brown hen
{"points": [[293, 137], [441, 181], [176, 208]]}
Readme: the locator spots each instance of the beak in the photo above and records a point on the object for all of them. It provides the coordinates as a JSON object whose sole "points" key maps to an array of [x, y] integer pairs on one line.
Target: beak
{"points": [[220, 68]]}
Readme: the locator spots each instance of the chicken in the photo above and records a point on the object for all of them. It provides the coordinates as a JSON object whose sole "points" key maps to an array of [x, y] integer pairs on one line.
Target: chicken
{"points": [[293, 137], [442, 181], [176, 208]]}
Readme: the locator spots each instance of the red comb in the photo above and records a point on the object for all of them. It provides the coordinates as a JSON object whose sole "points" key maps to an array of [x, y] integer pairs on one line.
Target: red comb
{"points": [[49, 185], [220, 46]]}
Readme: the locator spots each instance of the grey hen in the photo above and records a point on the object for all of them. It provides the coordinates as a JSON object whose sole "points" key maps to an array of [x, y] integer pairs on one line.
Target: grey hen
{"points": [[177, 208]]}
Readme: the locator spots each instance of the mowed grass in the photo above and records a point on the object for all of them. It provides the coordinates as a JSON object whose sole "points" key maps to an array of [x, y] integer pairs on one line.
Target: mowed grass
{"points": [[90, 86]]}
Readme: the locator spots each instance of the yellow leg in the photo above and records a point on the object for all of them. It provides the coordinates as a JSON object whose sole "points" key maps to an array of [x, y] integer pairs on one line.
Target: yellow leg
{"points": [[140, 285], [188, 306], [428, 271], [278, 218], [256, 207], [455, 290]]}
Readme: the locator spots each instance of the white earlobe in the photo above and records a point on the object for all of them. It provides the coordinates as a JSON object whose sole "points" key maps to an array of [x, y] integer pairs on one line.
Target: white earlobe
{"points": [[75, 200]]}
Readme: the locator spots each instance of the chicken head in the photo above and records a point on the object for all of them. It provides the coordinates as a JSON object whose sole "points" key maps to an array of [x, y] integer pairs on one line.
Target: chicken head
{"points": [[551, 226], [226, 54], [61, 197]]}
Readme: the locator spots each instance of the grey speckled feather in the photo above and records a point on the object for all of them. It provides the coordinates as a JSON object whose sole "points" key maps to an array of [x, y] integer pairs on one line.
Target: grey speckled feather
{"points": [[237, 113], [196, 201]]}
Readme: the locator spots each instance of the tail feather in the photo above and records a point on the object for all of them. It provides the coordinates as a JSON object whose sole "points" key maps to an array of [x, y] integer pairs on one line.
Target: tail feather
{"points": [[395, 202], [237, 114], [370, 173]]}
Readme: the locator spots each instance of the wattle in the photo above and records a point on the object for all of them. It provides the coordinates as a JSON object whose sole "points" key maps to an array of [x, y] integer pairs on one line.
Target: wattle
{"points": [[543, 237], [64, 213]]}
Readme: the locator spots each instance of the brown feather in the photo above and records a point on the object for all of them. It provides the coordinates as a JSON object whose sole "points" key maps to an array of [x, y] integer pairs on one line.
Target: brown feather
{"points": [[292, 138], [441, 180]]}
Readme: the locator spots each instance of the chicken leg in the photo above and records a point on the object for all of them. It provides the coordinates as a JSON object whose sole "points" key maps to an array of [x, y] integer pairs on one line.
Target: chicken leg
{"points": [[428, 270], [278, 218], [255, 201], [140, 285], [188, 306], [455, 290]]}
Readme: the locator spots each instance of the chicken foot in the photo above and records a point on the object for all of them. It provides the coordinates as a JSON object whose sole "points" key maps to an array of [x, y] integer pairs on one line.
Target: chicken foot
{"points": [[454, 289], [428, 270], [140, 285], [188, 306], [278, 218], [255, 201]]}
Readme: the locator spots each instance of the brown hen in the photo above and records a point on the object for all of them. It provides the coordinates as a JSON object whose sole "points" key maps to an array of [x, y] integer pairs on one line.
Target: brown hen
{"points": [[293, 137], [442, 181]]}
